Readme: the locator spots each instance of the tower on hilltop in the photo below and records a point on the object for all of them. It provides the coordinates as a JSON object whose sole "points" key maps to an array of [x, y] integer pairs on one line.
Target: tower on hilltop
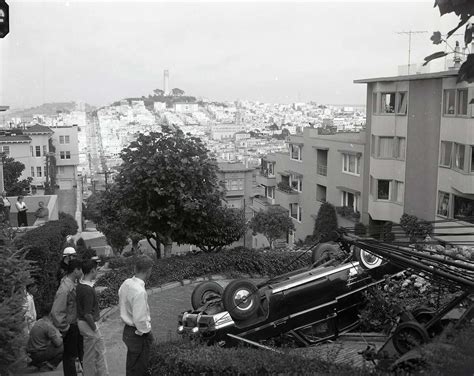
{"points": [[166, 83]]}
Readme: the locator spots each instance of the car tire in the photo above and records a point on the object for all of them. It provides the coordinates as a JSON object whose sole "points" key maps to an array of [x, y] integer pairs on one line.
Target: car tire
{"points": [[408, 336], [366, 259], [325, 252], [241, 299], [205, 291]]}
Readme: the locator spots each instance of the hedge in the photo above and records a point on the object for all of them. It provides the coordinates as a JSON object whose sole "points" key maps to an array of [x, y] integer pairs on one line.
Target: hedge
{"points": [[14, 276], [232, 263], [44, 245], [188, 358]]}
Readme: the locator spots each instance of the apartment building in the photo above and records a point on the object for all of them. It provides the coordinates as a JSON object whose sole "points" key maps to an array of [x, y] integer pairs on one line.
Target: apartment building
{"points": [[317, 168], [419, 147], [240, 184], [34, 146]]}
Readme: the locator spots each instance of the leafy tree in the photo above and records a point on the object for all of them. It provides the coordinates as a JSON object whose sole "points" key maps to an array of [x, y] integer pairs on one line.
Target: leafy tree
{"points": [[68, 224], [158, 92], [273, 127], [326, 223], [11, 174], [223, 227], [177, 92], [14, 277], [92, 210], [272, 223], [464, 9], [166, 180], [111, 219]]}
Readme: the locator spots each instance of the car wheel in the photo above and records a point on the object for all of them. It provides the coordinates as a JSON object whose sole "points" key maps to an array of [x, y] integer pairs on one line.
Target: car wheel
{"points": [[241, 299], [366, 259], [409, 335], [204, 292], [325, 252]]}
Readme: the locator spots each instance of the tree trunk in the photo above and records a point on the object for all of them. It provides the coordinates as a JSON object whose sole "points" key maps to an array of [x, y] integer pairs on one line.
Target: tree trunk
{"points": [[168, 247]]}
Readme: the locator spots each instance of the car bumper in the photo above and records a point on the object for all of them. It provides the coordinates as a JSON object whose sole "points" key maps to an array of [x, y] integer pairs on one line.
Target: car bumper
{"points": [[195, 322]]}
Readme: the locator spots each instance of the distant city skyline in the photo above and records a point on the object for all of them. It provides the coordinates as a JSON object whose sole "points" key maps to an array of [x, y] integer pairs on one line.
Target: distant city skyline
{"points": [[101, 52]]}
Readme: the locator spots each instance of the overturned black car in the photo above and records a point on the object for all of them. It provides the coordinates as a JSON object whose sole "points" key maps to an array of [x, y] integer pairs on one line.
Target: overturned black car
{"points": [[311, 305]]}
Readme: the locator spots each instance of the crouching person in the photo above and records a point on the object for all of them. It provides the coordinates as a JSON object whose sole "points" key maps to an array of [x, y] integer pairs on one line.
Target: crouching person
{"points": [[45, 345], [94, 363]]}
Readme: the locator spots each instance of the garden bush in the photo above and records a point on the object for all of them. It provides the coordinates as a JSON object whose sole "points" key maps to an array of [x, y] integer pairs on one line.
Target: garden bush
{"points": [[232, 263], [326, 223], [188, 358], [68, 224], [44, 246], [14, 276], [84, 252]]}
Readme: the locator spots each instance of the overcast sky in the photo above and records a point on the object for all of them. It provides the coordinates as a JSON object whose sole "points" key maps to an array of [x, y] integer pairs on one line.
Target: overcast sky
{"points": [[99, 52]]}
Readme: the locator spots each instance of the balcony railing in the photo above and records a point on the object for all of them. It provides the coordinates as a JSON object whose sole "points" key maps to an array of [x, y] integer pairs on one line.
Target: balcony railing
{"points": [[322, 170]]}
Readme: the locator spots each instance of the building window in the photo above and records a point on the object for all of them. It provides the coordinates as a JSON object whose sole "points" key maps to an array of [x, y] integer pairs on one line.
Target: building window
{"points": [[399, 191], [295, 212], [65, 155], [402, 103], [296, 183], [463, 208], [6, 150], [388, 103], [37, 151], [270, 192], [385, 149], [462, 102], [351, 164], [295, 152], [445, 153], [60, 170], [449, 101], [374, 103], [350, 200], [271, 169], [234, 184], [383, 189], [32, 172], [443, 204], [320, 193], [38, 171], [400, 143], [64, 139], [45, 150], [472, 158], [32, 151], [459, 156]]}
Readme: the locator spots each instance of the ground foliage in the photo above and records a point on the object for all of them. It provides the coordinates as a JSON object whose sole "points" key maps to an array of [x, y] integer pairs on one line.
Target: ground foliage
{"points": [[232, 263], [326, 223], [187, 358]]}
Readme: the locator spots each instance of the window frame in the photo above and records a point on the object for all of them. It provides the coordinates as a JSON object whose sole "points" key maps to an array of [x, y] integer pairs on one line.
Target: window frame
{"points": [[457, 148], [383, 103], [458, 102], [32, 171], [37, 151], [446, 100], [389, 190], [397, 198], [299, 158], [39, 173], [441, 162], [401, 101], [299, 182], [298, 212], [346, 163], [320, 199], [448, 207], [391, 142]]}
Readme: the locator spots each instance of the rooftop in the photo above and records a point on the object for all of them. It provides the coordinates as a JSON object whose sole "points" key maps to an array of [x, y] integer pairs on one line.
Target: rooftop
{"points": [[234, 167], [411, 77], [14, 139], [37, 128]]}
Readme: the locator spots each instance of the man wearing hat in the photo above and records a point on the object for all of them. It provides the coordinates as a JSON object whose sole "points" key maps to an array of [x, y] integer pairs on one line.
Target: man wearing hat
{"points": [[69, 254]]}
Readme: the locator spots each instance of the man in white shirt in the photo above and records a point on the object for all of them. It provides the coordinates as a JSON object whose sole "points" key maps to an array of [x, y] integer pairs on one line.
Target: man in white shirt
{"points": [[135, 313]]}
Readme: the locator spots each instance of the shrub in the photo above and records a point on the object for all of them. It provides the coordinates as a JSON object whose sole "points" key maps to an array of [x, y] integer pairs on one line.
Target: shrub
{"points": [[44, 246], [326, 223], [14, 276], [68, 224], [415, 228], [232, 262], [184, 358], [83, 251], [360, 229]]}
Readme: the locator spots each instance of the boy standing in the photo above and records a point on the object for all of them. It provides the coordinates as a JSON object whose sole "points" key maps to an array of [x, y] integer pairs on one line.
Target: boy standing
{"points": [[64, 315], [94, 363]]}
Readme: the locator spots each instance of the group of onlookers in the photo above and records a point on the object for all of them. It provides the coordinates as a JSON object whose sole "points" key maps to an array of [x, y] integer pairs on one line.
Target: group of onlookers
{"points": [[41, 214], [68, 330]]}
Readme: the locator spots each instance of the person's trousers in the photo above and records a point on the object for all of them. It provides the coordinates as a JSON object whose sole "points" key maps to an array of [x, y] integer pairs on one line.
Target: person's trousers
{"points": [[138, 351], [94, 363], [73, 348], [52, 354]]}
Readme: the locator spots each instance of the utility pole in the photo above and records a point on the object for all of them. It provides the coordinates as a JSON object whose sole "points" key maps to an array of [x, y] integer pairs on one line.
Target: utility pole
{"points": [[409, 33]]}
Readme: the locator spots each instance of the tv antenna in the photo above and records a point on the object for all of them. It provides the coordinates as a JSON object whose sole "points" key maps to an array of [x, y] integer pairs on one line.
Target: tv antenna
{"points": [[409, 33]]}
